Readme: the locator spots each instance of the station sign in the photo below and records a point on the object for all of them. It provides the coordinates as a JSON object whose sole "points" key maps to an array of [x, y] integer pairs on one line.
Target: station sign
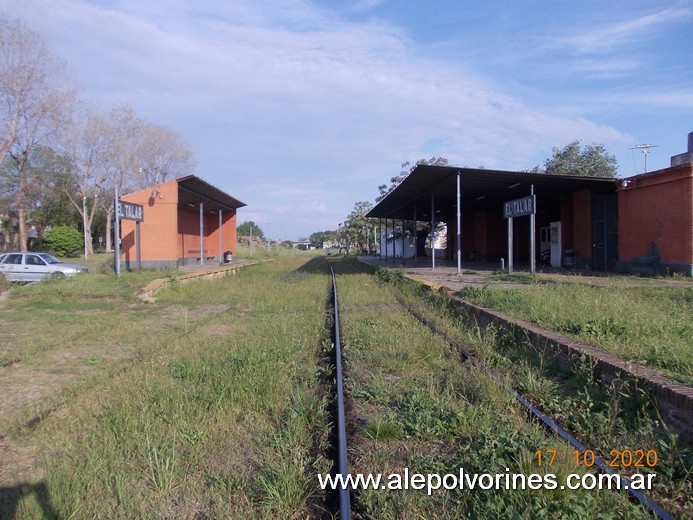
{"points": [[130, 211], [520, 207]]}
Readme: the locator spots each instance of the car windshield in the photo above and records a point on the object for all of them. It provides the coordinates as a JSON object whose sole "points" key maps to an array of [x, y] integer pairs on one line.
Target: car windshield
{"points": [[49, 258]]}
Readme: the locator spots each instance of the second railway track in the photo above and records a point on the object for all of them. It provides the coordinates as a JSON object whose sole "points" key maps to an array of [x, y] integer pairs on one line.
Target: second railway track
{"points": [[416, 406]]}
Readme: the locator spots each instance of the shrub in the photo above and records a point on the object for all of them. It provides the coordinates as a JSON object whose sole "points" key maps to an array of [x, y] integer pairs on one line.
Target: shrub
{"points": [[64, 240]]}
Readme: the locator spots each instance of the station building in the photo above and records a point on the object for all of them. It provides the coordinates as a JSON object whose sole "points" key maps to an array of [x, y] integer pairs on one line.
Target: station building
{"points": [[185, 221], [641, 224]]}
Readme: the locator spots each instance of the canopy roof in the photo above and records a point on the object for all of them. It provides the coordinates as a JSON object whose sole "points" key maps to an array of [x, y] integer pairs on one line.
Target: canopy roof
{"points": [[192, 189], [480, 190]]}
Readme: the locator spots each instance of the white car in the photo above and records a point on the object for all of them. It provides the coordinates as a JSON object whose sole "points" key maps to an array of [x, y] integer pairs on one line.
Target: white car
{"points": [[32, 267]]}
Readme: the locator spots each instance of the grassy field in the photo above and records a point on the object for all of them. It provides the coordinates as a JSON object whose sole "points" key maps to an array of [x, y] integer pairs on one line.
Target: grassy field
{"points": [[603, 417], [646, 323], [212, 402], [208, 401], [419, 406]]}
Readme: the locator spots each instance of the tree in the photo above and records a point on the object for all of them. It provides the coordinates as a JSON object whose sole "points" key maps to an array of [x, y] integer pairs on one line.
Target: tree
{"points": [[138, 154], [45, 204], [590, 161], [407, 168], [87, 145], [357, 229], [245, 229], [34, 102], [162, 155], [324, 236], [124, 132]]}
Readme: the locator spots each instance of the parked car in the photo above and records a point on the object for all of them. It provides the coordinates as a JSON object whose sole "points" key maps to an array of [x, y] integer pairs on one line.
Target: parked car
{"points": [[32, 267]]}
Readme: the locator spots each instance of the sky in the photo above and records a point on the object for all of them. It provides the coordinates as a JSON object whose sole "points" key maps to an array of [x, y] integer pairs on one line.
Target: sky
{"points": [[301, 108]]}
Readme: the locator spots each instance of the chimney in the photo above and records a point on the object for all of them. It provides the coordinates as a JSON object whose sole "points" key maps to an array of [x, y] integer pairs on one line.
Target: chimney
{"points": [[684, 158]]}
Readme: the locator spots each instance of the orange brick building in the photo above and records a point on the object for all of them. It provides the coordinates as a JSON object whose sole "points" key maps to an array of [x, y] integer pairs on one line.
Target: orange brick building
{"points": [[186, 221], [655, 224]]}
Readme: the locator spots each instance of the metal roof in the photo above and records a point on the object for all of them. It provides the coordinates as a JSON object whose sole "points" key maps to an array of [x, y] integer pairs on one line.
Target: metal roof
{"points": [[192, 189], [480, 190]]}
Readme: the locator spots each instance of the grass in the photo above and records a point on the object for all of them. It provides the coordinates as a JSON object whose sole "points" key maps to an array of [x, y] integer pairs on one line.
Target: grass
{"points": [[648, 325], [424, 409], [211, 402], [219, 413], [619, 416]]}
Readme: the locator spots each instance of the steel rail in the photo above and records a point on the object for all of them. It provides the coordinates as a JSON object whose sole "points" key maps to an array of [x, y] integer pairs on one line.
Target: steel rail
{"points": [[545, 419], [344, 492]]}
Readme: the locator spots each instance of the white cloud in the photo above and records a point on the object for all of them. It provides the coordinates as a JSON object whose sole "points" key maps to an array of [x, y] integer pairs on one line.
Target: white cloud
{"points": [[670, 98], [604, 38], [296, 112]]}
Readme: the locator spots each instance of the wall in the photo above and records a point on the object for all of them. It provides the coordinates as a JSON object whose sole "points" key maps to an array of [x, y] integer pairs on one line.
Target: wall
{"points": [[228, 232], [657, 207], [484, 236], [188, 242], [158, 229], [582, 229]]}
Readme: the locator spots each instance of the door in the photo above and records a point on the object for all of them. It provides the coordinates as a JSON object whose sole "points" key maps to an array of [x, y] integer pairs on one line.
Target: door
{"points": [[544, 243], [12, 267], [604, 231], [555, 239], [35, 268]]}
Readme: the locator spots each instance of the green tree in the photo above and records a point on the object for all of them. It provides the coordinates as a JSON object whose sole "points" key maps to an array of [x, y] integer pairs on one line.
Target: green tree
{"points": [[64, 240], [591, 160], [407, 168], [35, 98], [47, 171], [324, 236], [357, 230], [244, 230]]}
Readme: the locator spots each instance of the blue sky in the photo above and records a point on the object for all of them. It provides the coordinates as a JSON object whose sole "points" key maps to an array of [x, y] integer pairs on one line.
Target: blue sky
{"points": [[301, 108]]}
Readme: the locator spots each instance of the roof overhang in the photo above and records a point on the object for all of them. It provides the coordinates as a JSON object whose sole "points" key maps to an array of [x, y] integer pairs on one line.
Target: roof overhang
{"points": [[480, 190], [192, 190]]}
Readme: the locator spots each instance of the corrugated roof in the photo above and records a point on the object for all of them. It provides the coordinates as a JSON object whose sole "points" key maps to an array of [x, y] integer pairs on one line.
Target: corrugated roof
{"points": [[192, 189], [480, 190]]}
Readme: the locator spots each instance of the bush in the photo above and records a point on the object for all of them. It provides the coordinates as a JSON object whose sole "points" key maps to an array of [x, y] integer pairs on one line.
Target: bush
{"points": [[64, 240]]}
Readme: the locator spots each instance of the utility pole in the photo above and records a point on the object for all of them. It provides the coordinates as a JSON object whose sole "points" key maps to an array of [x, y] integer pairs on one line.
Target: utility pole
{"points": [[84, 225]]}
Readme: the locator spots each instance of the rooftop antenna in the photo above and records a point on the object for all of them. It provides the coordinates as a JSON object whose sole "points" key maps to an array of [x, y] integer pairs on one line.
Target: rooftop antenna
{"points": [[645, 150]]}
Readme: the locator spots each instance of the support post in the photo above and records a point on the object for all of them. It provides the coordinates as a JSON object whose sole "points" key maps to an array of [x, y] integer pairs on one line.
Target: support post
{"points": [[138, 249], [116, 208], [433, 232], [416, 239], [510, 245], [459, 227], [532, 237], [202, 235], [402, 226], [221, 241], [380, 236]]}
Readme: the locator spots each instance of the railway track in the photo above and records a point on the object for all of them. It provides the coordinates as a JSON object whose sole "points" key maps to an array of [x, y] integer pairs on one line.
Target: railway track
{"points": [[533, 412]]}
